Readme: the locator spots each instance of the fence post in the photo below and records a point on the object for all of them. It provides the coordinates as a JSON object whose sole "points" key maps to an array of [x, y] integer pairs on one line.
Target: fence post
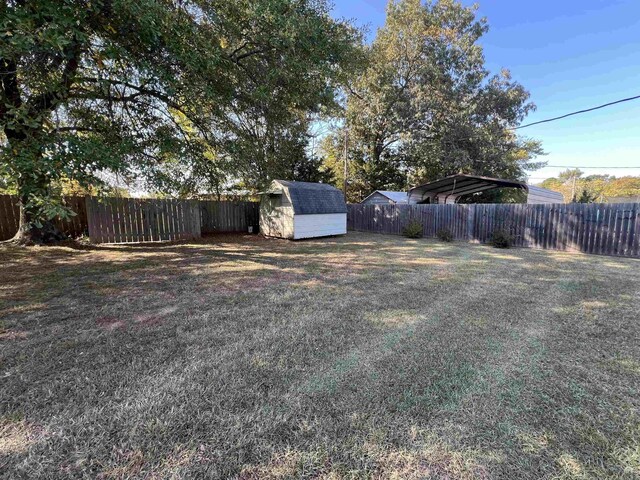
{"points": [[195, 219], [90, 219], [471, 215]]}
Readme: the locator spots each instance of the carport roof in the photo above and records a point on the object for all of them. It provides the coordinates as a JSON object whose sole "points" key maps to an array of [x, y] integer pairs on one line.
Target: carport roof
{"points": [[462, 184]]}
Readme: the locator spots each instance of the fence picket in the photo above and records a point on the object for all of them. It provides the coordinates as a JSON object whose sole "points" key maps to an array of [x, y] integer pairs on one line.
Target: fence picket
{"points": [[609, 229], [636, 231]]}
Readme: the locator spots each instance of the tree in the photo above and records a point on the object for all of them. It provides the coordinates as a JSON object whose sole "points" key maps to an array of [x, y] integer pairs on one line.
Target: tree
{"points": [[310, 169], [363, 176], [585, 197], [624, 187], [427, 107], [569, 174], [592, 188], [171, 91]]}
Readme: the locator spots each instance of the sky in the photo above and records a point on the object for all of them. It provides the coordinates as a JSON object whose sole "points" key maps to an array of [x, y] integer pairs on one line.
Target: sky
{"points": [[570, 55]]}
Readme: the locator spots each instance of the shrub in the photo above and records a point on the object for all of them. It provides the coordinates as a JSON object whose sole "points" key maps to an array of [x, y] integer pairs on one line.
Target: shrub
{"points": [[445, 235], [413, 230], [501, 239]]}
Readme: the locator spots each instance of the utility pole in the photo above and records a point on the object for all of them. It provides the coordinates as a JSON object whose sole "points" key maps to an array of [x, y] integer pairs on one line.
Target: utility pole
{"points": [[346, 160], [573, 189]]}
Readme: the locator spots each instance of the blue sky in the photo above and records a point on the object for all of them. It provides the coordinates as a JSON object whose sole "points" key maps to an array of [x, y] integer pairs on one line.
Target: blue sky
{"points": [[570, 55]]}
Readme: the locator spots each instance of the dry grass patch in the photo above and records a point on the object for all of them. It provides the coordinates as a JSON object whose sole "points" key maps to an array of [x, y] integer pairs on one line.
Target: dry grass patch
{"points": [[365, 356]]}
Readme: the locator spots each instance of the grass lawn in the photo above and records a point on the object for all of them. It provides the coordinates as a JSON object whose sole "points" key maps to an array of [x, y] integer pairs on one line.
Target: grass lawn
{"points": [[366, 356]]}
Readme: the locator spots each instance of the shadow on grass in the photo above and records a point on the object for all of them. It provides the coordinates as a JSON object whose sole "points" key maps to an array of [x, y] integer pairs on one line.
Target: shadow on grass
{"points": [[354, 356]]}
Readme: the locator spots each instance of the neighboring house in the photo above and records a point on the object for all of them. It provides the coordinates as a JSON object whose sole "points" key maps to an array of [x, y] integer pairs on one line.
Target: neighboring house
{"points": [[449, 189], [296, 210], [385, 197]]}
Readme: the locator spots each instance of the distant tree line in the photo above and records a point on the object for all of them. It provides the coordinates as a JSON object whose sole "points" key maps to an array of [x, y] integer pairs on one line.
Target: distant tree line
{"points": [[576, 187], [216, 98]]}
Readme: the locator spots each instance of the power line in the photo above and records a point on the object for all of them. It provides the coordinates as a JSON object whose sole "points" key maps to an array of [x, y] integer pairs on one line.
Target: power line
{"points": [[576, 113]]}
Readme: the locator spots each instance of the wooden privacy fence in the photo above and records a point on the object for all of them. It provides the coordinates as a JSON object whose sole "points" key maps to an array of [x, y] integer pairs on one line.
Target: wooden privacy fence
{"points": [[228, 216], [10, 217], [607, 229], [125, 220]]}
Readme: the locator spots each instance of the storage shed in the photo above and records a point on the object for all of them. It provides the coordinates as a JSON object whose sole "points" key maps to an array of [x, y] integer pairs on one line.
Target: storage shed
{"points": [[386, 197], [298, 210]]}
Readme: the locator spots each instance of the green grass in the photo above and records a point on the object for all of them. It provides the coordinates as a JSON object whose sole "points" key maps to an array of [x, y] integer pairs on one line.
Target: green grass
{"points": [[365, 356]]}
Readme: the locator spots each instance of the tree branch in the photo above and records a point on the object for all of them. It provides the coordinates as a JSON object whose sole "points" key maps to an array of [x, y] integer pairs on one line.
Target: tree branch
{"points": [[76, 129], [47, 100], [139, 88], [9, 80], [10, 93], [250, 53]]}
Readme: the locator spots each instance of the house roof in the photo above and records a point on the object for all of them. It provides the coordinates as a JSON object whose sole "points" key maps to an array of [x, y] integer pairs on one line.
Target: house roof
{"points": [[314, 198], [463, 184], [396, 197]]}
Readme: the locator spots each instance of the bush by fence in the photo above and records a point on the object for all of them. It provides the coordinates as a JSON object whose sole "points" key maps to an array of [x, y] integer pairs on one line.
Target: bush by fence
{"points": [[607, 229]]}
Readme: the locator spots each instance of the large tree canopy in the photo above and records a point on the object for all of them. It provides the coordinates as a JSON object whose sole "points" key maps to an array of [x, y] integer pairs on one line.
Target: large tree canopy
{"points": [[183, 93], [426, 106]]}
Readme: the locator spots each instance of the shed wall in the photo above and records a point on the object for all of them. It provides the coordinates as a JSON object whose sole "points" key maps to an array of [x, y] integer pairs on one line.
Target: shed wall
{"points": [[276, 216], [321, 225]]}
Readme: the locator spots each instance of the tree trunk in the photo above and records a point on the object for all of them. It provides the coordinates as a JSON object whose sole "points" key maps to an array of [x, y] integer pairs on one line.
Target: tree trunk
{"points": [[29, 233], [377, 152], [32, 228]]}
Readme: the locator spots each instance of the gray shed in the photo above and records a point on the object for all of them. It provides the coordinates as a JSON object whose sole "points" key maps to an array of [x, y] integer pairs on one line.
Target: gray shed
{"points": [[386, 197], [298, 210]]}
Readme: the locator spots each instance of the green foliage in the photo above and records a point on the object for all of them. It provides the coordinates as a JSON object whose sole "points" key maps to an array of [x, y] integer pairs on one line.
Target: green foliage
{"points": [[190, 96], [427, 107], [501, 239], [586, 197], [569, 174], [310, 169], [363, 175], [413, 229], [593, 188], [444, 235], [7, 187]]}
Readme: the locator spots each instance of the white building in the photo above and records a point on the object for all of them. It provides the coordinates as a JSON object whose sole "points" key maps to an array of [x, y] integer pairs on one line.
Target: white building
{"points": [[296, 210]]}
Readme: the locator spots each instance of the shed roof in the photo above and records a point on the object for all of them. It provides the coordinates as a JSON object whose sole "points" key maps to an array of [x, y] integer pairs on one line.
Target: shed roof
{"points": [[314, 198], [397, 197]]}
